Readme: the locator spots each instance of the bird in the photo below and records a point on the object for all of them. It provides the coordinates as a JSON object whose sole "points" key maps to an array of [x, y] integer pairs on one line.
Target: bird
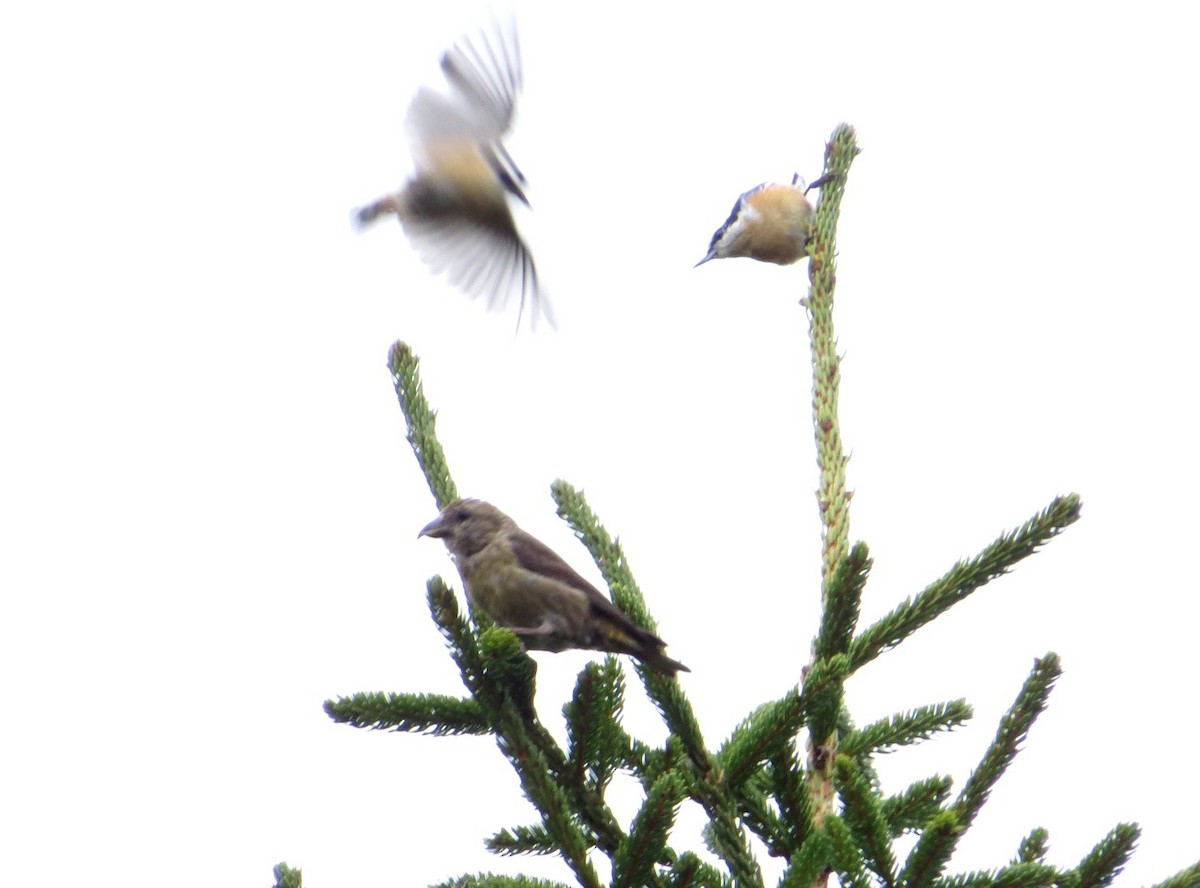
{"points": [[769, 223], [523, 586], [457, 207]]}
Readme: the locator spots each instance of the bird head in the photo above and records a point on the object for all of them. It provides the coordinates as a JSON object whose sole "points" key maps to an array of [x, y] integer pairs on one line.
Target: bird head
{"points": [[466, 526]]}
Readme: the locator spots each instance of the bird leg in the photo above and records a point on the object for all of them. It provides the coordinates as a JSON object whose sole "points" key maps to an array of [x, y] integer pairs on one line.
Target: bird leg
{"points": [[817, 183]]}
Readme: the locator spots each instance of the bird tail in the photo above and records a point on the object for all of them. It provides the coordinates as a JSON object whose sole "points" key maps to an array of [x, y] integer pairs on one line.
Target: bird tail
{"points": [[364, 216], [627, 637], [660, 661]]}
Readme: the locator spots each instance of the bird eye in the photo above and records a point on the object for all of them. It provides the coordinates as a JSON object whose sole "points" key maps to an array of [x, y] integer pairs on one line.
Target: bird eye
{"points": [[462, 515]]}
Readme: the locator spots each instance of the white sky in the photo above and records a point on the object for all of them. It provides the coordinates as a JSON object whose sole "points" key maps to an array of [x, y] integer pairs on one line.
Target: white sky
{"points": [[210, 512]]}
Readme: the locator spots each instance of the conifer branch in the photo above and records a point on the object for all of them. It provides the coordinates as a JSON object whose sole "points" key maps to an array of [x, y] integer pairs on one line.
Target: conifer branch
{"points": [[286, 877], [843, 596], [421, 421], [607, 833], [1033, 847], [915, 806], [545, 793], [963, 579], [839, 597], [810, 862], [1028, 875], [689, 871], [597, 747], [928, 857], [776, 722], [760, 818], [756, 738], [863, 816], [906, 728], [724, 834], [1104, 862], [821, 718], [1017, 875], [846, 859], [648, 763], [832, 499], [522, 840], [663, 690], [509, 677], [500, 674], [789, 791], [1013, 727], [493, 880], [975, 879], [437, 714], [1185, 878], [461, 641], [596, 744], [634, 860]]}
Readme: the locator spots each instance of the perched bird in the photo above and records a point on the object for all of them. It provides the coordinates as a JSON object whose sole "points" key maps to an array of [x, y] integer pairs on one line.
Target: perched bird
{"points": [[526, 588], [456, 207], [768, 223]]}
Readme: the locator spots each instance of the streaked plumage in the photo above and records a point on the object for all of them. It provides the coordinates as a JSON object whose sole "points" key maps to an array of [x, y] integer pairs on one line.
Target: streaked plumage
{"points": [[768, 223], [522, 585], [455, 209]]}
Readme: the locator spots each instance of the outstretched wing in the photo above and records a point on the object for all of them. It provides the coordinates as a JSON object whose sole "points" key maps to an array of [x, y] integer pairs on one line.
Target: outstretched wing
{"points": [[486, 72], [485, 76], [485, 260]]}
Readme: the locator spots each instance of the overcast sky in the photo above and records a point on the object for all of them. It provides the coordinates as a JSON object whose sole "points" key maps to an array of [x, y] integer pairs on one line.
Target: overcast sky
{"points": [[209, 511]]}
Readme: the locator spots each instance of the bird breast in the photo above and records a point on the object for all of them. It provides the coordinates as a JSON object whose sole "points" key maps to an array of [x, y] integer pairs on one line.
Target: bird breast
{"points": [[515, 597], [781, 217]]}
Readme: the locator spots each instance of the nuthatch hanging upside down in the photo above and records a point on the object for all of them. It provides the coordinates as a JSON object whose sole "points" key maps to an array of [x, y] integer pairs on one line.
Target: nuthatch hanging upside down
{"points": [[769, 223], [455, 209]]}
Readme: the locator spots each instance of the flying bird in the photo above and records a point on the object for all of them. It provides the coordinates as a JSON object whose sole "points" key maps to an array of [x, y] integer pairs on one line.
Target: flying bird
{"points": [[456, 208], [769, 223], [522, 585]]}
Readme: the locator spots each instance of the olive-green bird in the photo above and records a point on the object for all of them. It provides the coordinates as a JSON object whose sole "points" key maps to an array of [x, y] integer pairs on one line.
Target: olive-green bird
{"points": [[523, 586]]}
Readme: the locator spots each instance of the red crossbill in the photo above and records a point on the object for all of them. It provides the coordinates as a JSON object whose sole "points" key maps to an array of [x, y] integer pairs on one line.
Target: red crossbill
{"points": [[522, 585]]}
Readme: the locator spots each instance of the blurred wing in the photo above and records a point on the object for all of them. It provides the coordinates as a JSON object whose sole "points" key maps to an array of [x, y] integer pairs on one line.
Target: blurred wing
{"points": [[480, 260], [485, 78], [486, 72], [486, 75], [432, 117]]}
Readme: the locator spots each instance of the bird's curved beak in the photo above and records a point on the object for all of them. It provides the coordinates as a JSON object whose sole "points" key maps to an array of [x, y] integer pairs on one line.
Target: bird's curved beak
{"points": [[434, 528]]}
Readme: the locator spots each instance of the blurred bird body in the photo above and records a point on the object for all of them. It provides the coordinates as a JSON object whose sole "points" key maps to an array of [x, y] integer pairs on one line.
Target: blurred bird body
{"points": [[456, 207], [522, 585], [769, 223]]}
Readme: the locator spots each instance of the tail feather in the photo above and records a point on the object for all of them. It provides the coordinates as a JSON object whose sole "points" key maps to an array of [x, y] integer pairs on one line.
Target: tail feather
{"points": [[662, 662], [626, 637], [365, 216]]}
